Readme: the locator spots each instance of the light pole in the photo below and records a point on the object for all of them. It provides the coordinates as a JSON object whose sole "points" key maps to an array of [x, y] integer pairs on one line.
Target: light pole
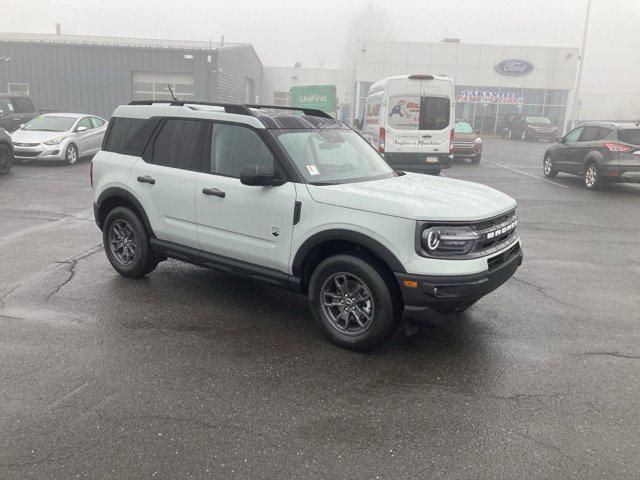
{"points": [[577, 100]]}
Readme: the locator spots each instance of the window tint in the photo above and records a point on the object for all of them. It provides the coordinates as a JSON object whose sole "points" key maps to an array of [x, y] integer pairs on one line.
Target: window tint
{"points": [[97, 122], [573, 135], [86, 123], [234, 147], [604, 133], [629, 135], [23, 105], [120, 133], [590, 134], [434, 113], [181, 144], [6, 106]]}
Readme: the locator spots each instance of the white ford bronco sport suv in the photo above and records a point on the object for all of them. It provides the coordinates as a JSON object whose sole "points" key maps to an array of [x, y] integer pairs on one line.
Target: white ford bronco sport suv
{"points": [[299, 200]]}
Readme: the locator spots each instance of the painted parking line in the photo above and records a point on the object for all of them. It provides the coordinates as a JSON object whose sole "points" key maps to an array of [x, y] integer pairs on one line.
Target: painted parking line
{"points": [[528, 174]]}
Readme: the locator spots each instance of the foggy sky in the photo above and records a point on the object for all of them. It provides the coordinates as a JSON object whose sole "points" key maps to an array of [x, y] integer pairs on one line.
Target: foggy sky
{"points": [[286, 31]]}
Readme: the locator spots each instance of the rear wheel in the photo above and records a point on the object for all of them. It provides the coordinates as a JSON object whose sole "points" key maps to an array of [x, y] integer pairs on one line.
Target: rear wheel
{"points": [[126, 244], [592, 179], [6, 159], [548, 168], [509, 134], [353, 302]]}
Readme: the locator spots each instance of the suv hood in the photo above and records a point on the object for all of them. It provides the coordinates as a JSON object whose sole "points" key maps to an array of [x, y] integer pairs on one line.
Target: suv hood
{"points": [[417, 197]]}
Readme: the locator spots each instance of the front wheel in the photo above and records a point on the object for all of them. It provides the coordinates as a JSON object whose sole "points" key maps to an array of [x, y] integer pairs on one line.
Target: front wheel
{"points": [[476, 160], [6, 159], [126, 244], [524, 136], [592, 179], [548, 168], [353, 302], [71, 154]]}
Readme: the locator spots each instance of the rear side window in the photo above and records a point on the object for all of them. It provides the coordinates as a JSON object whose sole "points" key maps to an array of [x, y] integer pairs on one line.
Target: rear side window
{"points": [[234, 147], [181, 144], [408, 112], [121, 132], [629, 135], [590, 134], [97, 122], [23, 105]]}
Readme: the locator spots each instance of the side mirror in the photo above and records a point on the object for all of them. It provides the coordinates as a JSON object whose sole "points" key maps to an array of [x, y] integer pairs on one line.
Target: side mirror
{"points": [[81, 129], [357, 124], [259, 176], [22, 125], [559, 139]]}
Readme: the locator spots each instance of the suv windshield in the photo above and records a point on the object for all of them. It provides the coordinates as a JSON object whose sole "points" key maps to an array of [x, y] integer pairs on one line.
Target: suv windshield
{"points": [[333, 156], [50, 124], [537, 120]]}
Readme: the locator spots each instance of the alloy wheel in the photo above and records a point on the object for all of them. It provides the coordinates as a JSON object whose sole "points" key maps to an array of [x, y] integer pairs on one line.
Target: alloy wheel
{"points": [[72, 155], [547, 166], [347, 303], [123, 242], [591, 176]]}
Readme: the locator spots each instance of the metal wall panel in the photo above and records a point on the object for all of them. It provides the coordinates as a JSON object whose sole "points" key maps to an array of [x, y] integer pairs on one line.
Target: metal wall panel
{"points": [[235, 65]]}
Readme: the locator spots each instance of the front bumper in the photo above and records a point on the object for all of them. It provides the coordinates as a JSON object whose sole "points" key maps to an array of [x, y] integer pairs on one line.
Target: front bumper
{"points": [[465, 152], [536, 135], [39, 152], [426, 297]]}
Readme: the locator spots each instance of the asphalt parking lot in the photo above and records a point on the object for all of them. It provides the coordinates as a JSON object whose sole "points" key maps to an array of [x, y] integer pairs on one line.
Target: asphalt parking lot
{"points": [[195, 374]]}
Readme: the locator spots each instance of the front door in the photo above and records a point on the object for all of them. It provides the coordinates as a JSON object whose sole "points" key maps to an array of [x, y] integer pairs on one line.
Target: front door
{"points": [[247, 223], [165, 180], [566, 152]]}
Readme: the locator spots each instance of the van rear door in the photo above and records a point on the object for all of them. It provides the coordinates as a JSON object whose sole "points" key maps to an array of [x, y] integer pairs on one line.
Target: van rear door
{"points": [[419, 122]]}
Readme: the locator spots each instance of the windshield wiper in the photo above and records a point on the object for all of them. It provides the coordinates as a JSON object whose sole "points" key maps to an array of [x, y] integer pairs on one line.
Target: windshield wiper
{"points": [[323, 183]]}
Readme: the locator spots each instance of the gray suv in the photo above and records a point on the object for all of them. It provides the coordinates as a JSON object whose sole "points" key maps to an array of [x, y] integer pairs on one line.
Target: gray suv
{"points": [[600, 152]]}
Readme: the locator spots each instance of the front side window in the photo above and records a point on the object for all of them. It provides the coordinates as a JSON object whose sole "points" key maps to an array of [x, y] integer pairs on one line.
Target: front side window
{"points": [[333, 156], [6, 106], [234, 147], [181, 144], [573, 135], [50, 123]]}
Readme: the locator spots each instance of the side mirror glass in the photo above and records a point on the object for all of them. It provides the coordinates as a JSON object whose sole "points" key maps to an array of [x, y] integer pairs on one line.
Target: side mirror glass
{"points": [[22, 125], [81, 129], [260, 176], [559, 139]]}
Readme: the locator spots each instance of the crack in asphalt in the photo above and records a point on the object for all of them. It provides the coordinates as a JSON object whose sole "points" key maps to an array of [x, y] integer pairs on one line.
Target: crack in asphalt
{"points": [[5, 295], [71, 269], [542, 291], [613, 354]]}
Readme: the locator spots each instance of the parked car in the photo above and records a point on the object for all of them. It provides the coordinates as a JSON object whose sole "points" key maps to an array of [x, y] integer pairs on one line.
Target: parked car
{"points": [[303, 202], [467, 144], [601, 152], [15, 110], [59, 136], [531, 127], [6, 152], [409, 120]]}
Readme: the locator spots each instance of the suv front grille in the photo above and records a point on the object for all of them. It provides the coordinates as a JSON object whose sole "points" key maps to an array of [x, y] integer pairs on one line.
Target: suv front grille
{"points": [[495, 234]]}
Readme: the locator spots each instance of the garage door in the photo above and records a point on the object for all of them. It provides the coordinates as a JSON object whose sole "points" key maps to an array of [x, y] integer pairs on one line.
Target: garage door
{"points": [[155, 86]]}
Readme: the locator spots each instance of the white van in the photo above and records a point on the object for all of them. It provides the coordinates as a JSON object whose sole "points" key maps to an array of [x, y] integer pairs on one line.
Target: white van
{"points": [[409, 119]]}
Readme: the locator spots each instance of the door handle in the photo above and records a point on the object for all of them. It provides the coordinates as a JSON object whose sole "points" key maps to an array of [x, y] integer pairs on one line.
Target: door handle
{"points": [[214, 191], [147, 179]]}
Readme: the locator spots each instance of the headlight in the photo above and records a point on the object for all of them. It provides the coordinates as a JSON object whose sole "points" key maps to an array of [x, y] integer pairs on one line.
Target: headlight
{"points": [[55, 140], [442, 241]]}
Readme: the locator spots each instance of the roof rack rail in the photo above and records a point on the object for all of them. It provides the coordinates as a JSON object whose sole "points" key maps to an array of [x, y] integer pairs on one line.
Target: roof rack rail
{"points": [[313, 112], [228, 107]]}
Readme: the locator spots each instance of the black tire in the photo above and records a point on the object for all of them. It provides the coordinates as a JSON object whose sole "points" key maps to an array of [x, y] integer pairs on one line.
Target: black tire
{"points": [[591, 177], [383, 307], [548, 168], [6, 159], [143, 260], [476, 160], [71, 154]]}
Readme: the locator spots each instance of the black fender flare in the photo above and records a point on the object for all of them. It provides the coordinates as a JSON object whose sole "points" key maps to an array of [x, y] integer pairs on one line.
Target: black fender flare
{"points": [[346, 235], [120, 192]]}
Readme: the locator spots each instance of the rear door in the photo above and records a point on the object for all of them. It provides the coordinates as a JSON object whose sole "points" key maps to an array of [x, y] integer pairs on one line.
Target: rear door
{"points": [[248, 223], [97, 133], [82, 139], [164, 180], [565, 152]]}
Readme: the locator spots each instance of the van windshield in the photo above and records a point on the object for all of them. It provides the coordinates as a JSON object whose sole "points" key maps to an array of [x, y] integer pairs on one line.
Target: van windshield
{"points": [[412, 112], [326, 157]]}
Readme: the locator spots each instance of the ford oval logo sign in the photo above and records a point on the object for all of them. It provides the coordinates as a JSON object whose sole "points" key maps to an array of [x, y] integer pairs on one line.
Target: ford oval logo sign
{"points": [[514, 67]]}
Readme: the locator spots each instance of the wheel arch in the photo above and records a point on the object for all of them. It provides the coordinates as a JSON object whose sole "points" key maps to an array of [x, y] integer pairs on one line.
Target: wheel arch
{"points": [[330, 242], [592, 157], [114, 197]]}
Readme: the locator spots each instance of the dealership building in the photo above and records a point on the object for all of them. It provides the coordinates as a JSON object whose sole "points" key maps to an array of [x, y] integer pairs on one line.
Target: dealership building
{"points": [[92, 74]]}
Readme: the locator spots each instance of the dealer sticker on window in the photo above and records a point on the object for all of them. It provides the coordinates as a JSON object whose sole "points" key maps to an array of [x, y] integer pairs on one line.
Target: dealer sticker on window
{"points": [[313, 170]]}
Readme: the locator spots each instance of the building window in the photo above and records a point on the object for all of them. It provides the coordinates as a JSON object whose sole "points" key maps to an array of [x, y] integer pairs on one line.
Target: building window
{"points": [[282, 99], [19, 88], [155, 86]]}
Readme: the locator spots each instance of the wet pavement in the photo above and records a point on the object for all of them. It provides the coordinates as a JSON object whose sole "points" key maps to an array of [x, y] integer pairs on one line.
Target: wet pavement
{"points": [[195, 374]]}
